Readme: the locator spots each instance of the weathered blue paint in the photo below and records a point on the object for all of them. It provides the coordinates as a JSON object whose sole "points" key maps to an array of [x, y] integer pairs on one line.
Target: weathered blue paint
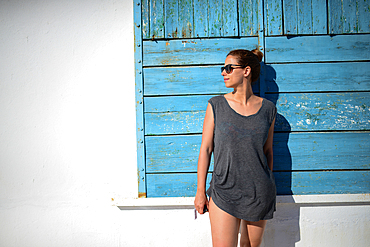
{"points": [[156, 21], [301, 183], [273, 17], [248, 17], [303, 112], [144, 18], [292, 152], [215, 18], [172, 19], [349, 16], [318, 77], [305, 17], [181, 52], [304, 151], [318, 48]]}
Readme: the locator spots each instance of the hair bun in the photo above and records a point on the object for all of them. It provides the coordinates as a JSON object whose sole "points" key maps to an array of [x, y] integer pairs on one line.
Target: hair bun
{"points": [[258, 53]]}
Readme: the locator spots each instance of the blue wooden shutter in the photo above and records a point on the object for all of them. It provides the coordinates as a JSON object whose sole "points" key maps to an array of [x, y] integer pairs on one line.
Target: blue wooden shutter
{"points": [[319, 82]]}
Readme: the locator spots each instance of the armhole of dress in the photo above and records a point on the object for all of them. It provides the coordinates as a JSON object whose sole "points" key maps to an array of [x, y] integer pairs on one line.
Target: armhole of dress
{"points": [[213, 111]]}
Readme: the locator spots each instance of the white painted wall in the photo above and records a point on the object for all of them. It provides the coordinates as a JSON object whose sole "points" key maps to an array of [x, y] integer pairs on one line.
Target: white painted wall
{"points": [[67, 141]]}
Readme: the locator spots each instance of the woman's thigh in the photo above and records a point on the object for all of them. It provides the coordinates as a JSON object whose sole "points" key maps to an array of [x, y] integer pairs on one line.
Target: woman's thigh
{"points": [[251, 233], [224, 227]]}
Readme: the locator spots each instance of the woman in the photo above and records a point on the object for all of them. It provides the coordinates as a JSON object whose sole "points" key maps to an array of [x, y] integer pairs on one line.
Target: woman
{"points": [[238, 127]]}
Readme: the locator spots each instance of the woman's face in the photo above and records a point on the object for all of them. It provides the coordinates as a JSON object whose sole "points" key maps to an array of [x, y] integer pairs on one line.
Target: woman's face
{"points": [[235, 78]]}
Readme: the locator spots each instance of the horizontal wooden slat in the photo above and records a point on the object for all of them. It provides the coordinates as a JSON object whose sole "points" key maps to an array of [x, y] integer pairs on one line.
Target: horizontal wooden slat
{"points": [[301, 77], [186, 80], [192, 51], [322, 111], [297, 183], [317, 48], [174, 123], [321, 151], [294, 151], [297, 112], [176, 103], [173, 185], [325, 182], [173, 153]]}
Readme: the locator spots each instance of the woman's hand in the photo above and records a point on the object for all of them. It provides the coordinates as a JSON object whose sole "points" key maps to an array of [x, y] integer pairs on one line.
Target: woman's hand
{"points": [[201, 202]]}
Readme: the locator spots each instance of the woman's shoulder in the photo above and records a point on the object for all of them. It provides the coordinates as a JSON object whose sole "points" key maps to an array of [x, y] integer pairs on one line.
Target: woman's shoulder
{"points": [[216, 99], [269, 103]]}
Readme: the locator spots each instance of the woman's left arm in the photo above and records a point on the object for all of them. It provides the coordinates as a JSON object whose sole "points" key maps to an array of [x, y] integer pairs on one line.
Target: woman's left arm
{"points": [[267, 148]]}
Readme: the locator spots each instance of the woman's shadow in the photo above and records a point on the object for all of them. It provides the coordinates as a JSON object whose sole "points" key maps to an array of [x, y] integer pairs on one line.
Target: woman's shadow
{"points": [[283, 230]]}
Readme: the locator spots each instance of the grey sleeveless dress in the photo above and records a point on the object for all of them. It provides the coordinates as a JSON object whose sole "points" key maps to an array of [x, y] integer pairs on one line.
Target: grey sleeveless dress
{"points": [[242, 183]]}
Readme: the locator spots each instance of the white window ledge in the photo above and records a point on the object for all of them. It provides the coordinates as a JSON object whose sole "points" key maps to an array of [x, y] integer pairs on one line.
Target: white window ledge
{"points": [[187, 202]]}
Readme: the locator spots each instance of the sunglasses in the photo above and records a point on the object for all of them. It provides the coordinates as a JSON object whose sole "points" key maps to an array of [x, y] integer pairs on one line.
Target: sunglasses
{"points": [[230, 69]]}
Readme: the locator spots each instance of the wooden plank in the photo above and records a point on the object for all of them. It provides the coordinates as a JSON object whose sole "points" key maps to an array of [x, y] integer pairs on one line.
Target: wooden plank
{"points": [[322, 111], [172, 18], [145, 18], [248, 17], [304, 17], [215, 18], [321, 151], [173, 153], [317, 48], [156, 19], [335, 16], [273, 17], [297, 112], [319, 17], [297, 183], [174, 123], [201, 18], [322, 182], [186, 80], [186, 18], [363, 16], [290, 17], [173, 185], [229, 18], [309, 77], [349, 16], [176, 103], [181, 52], [292, 152]]}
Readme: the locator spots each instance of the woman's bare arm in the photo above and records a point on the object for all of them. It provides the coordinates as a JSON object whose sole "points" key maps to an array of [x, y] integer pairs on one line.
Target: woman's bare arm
{"points": [[205, 153]]}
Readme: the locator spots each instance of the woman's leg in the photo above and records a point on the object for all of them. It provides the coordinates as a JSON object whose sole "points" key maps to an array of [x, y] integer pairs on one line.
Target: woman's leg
{"points": [[224, 227], [251, 233]]}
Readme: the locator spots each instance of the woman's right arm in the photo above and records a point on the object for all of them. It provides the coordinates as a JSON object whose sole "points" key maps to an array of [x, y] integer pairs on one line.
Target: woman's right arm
{"points": [[204, 159]]}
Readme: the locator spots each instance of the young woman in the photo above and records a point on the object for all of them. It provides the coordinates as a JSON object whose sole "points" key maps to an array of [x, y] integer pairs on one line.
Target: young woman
{"points": [[238, 127]]}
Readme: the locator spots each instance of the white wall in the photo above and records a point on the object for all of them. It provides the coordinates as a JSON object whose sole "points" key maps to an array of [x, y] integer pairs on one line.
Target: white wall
{"points": [[67, 140]]}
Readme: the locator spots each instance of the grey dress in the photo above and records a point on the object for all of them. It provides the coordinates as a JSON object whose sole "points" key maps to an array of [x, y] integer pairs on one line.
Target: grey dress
{"points": [[242, 183]]}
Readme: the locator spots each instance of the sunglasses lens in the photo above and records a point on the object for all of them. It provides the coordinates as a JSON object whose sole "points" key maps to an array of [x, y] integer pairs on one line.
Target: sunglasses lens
{"points": [[227, 68]]}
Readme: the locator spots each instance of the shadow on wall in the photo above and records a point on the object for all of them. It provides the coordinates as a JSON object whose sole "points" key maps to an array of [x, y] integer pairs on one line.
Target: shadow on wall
{"points": [[283, 230]]}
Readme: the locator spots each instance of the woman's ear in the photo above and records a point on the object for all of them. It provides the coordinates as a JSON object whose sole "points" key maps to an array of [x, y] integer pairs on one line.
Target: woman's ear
{"points": [[247, 71]]}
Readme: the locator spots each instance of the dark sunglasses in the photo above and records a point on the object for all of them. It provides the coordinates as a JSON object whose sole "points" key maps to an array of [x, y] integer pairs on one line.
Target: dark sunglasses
{"points": [[229, 69]]}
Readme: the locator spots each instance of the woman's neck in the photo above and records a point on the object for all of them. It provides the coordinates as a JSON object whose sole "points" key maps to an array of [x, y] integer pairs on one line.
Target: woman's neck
{"points": [[243, 94]]}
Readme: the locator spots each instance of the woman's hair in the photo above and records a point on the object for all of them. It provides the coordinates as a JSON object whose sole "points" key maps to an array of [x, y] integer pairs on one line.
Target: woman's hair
{"points": [[249, 58]]}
